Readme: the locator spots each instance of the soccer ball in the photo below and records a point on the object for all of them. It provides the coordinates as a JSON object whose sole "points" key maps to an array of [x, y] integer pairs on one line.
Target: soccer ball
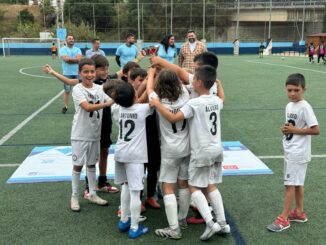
{"points": [[283, 58]]}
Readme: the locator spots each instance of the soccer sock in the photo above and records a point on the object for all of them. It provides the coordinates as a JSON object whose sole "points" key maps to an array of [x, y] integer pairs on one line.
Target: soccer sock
{"points": [[134, 209], [184, 202], [217, 205], [202, 205], [171, 210], [91, 180], [125, 203], [75, 178], [102, 180]]}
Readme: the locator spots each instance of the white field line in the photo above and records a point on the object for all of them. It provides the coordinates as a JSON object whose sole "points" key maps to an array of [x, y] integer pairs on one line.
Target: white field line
{"points": [[281, 157], [294, 67], [9, 165], [23, 123], [21, 71]]}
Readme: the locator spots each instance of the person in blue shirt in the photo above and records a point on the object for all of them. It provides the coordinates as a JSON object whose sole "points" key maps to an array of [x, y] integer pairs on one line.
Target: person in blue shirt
{"points": [[126, 52], [70, 56], [95, 48], [167, 49]]}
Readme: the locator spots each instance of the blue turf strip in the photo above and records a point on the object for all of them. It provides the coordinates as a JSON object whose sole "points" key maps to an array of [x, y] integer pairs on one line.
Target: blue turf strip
{"points": [[237, 237]]}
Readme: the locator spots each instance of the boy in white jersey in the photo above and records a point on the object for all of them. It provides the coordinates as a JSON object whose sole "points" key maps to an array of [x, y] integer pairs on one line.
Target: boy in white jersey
{"points": [[130, 156], [205, 143], [175, 149], [89, 100], [300, 124]]}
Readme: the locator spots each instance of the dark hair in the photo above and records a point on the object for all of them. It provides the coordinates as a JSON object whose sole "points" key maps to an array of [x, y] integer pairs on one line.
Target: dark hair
{"points": [[85, 61], [168, 85], [100, 61], [207, 58], [129, 66], [191, 31], [95, 39], [165, 42], [207, 74], [130, 35], [109, 87], [296, 79], [134, 73], [124, 94]]}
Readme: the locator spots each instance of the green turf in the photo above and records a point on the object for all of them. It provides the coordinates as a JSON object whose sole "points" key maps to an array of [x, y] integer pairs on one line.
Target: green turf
{"points": [[253, 113]]}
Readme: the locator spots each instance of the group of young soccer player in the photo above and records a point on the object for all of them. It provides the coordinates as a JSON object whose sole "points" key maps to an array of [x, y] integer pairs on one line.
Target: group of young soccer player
{"points": [[188, 108]]}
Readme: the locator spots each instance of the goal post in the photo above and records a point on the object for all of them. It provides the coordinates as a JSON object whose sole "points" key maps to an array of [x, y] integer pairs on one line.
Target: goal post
{"points": [[28, 46]]}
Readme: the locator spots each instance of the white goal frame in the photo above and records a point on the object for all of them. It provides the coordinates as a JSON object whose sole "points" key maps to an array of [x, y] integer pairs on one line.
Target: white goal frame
{"points": [[39, 40]]}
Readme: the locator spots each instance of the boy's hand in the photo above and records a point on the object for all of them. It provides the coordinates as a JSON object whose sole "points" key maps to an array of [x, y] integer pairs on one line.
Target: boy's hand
{"points": [[288, 128], [152, 71], [47, 69], [153, 102], [155, 60]]}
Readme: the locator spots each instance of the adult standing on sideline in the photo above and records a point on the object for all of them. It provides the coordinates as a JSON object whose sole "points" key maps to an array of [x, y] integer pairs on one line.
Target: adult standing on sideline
{"points": [[189, 50], [127, 51], [70, 56], [95, 48], [166, 49]]}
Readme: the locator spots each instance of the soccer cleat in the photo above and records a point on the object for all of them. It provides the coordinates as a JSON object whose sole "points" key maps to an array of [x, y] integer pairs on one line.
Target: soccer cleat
{"points": [[295, 217], [141, 231], [97, 200], [64, 110], [183, 224], [108, 188], [279, 224], [196, 219], [124, 226], [169, 232], [151, 201], [210, 231], [86, 194], [142, 218], [74, 204], [225, 228]]}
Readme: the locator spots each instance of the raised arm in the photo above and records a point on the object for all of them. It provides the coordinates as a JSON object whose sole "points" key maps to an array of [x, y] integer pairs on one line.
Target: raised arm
{"points": [[150, 81], [48, 69], [181, 73], [95, 107], [173, 118]]}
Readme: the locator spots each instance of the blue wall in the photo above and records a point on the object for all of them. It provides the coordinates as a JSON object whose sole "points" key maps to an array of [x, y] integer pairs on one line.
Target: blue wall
{"points": [[110, 48]]}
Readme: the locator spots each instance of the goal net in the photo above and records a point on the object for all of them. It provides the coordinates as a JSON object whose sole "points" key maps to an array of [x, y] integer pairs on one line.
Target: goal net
{"points": [[28, 46]]}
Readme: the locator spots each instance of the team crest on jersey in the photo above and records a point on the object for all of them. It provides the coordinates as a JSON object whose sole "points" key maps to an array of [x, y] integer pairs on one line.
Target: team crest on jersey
{"points": [[74, 157], [288, 176]]}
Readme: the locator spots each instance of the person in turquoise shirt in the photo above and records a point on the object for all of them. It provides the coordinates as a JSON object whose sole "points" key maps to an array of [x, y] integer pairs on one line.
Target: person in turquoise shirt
{"points": [[167, 49], [126, 52], [70, 56]]}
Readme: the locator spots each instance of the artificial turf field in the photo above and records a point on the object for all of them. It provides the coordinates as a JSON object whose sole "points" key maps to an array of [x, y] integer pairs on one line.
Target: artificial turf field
{"points": [[253, 113]]}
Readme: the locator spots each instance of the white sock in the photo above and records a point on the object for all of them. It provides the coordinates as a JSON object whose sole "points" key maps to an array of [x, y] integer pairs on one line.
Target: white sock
{"points": [[75, 179], [217, 205], [91, 175], [184, 202], [203, 208], [125, 203], [171, 210], [134, 209]]}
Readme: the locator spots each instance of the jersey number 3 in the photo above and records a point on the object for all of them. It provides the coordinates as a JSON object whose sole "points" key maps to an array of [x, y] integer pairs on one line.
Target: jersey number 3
{"points": [[213, 118], [128, 124]]}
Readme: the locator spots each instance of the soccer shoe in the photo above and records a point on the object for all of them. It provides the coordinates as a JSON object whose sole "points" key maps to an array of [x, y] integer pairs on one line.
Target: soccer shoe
{"points": [[196, 219], [151, 201], [210, 231], [108, 188], [74, 204], [141, 231], [169, 232], [295, 217], [142, 218], [124, 226], [279, 224], [64, 110], [183, 224], [86, 194], [225, 228], [97, 200]]}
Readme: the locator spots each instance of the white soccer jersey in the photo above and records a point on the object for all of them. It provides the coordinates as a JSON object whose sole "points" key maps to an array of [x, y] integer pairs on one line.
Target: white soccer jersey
{"points": [[87, 125], [205, 128], [193, 93], [297, 148], [174, 136], [131, 146]]}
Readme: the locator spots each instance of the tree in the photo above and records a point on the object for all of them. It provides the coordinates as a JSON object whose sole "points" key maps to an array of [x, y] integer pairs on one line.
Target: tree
{"points": [[25, 17], [82, 32], [48, 13]]}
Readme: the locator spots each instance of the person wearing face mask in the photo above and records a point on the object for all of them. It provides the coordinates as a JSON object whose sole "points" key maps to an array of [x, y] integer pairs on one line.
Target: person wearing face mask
{"points": [[127, 51], [189, 50]]}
